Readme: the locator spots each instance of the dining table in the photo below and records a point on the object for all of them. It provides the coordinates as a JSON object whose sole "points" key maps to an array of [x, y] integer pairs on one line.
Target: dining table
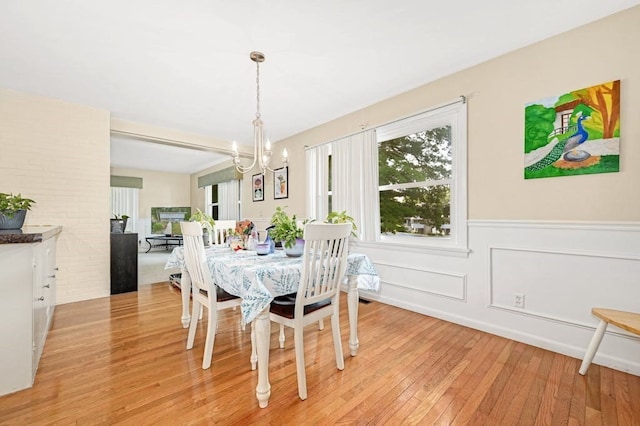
{"points": [[257, 280]]}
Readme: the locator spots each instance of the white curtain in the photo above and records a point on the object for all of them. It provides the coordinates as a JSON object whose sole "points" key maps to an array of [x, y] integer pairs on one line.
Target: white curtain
{"points": [[124, 201], [354, 180], [318, 181], [228, 196]]}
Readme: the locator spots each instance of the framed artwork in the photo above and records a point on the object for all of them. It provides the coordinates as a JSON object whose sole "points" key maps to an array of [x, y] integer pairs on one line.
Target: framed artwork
{"points": [[573, 133], [257, 185], [281, 183]]}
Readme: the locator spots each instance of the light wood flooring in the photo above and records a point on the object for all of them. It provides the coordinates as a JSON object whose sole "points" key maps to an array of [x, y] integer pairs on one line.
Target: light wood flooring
{"points": [[122, 360]]}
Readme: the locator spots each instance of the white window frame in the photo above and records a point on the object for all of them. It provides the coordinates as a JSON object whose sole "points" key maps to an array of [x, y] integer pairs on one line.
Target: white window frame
{"points": [[455, 116]]}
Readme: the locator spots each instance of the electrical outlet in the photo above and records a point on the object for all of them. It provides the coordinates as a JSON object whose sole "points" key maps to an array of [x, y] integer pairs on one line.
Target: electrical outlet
{"points": [[519, 300]]}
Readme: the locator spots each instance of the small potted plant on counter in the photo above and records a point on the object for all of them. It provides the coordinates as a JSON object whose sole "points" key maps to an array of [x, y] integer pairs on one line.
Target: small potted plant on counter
{"points": [[285, 229], [13, 210]]}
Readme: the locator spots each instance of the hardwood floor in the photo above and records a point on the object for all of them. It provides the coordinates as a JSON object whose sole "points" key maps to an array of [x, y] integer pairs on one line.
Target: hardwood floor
{"points": [[122, 360]]}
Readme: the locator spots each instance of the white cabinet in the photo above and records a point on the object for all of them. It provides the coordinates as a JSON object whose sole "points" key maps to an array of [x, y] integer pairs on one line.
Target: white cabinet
{"points": [[27, 302]]}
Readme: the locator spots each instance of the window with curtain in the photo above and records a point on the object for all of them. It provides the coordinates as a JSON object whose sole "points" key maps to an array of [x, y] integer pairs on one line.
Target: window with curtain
{"points": [[223, 200], [413, 170], [124, 201]]}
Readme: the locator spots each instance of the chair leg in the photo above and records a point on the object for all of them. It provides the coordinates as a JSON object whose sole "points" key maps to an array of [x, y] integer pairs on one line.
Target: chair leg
{"points": [[337, 340], [302, 377], [321, 324], [593, 347], [281, 337], [254, 349], [212, 325], [197, 308]]}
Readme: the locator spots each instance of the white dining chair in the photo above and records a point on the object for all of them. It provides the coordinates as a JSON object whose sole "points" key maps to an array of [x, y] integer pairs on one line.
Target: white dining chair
{"points": [[318, 296], [205, 292], [220, 230]]}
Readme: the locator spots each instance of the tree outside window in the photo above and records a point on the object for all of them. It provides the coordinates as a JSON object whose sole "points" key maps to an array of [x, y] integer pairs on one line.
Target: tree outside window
{"points": [[415, 177]]}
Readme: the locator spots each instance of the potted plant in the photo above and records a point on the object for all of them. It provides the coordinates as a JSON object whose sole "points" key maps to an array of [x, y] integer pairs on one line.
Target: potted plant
{"points": [[342, 217], [285, 229], [119, 223], [206, 222], [13, 210]]}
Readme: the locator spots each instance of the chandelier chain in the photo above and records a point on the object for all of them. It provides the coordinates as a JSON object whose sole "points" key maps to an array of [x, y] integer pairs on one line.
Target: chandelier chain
{"points": [[257, 89]]}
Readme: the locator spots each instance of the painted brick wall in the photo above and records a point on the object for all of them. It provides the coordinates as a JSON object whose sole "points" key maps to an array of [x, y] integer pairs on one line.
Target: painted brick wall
{"points": [[58, 154]]}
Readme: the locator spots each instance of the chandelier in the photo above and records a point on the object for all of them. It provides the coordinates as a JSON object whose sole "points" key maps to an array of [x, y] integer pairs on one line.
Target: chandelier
{"points": [[261, 149]]}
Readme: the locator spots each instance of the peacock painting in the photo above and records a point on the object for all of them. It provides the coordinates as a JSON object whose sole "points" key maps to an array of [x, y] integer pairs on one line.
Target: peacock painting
{"points": [[575, 133]]}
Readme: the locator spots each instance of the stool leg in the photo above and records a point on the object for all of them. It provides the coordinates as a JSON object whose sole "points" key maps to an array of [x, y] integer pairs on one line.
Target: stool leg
{"points": [[593, 347]]}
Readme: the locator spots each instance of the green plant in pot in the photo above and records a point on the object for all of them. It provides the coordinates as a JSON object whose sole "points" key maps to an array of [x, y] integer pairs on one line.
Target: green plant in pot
{"points": [[119, 223], [286, 230], [206, 222], [13, 210], [342, 217]]}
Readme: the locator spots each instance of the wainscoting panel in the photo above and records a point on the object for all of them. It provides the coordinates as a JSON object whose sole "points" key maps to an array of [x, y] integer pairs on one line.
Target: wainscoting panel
{"points": [[563, 270], [439, 283], [551, 280]]}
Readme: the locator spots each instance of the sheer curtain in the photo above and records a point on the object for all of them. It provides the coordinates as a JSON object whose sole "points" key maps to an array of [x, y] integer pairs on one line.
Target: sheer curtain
{"points": [[354, 181], [317, 160], [124, 201], [354, 178], [228, 196]]}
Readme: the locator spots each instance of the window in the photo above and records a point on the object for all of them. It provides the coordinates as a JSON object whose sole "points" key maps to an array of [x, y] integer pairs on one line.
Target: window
{"points": [[214, 202], [222, 200], [124, 201], [421, 177], [413, 170], [415, 183]]}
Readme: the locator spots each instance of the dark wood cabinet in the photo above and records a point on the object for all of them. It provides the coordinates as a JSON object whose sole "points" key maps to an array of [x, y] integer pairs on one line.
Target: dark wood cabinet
{"points": [[124, 262]]}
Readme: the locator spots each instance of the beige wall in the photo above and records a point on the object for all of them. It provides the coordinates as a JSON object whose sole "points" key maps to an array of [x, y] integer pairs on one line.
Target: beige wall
{"points": [[498, 91], [58, 154], [159, 189]]}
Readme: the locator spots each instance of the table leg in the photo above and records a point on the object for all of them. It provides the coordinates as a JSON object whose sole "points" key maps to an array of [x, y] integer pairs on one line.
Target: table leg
{"points": [[352, 305], [263, 332], [185, 290]]}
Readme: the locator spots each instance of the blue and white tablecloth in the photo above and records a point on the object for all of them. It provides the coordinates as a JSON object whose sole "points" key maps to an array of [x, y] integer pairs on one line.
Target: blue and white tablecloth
{"points": [[258, 279]]}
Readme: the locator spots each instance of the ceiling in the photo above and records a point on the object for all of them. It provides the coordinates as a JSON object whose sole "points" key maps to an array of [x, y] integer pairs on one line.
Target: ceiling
{"points": [[185, 65]]}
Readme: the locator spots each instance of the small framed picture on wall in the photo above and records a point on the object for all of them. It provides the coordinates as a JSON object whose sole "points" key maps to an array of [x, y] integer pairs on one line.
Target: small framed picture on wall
{"points": [[281, 183], [257, 185]]}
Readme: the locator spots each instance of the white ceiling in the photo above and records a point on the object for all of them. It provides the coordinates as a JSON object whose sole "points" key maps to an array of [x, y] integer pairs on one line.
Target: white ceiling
{"points": [[185, 64]]}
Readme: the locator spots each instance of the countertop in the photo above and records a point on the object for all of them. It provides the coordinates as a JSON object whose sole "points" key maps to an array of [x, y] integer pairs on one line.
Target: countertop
{"points": [[29, 234]]}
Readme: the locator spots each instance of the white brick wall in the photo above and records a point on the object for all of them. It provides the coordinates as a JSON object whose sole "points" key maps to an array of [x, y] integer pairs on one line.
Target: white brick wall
{"points": [[58, 154]]}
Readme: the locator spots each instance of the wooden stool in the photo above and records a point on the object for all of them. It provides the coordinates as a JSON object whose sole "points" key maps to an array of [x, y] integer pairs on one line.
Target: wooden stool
{"points": [[626, 320]]}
